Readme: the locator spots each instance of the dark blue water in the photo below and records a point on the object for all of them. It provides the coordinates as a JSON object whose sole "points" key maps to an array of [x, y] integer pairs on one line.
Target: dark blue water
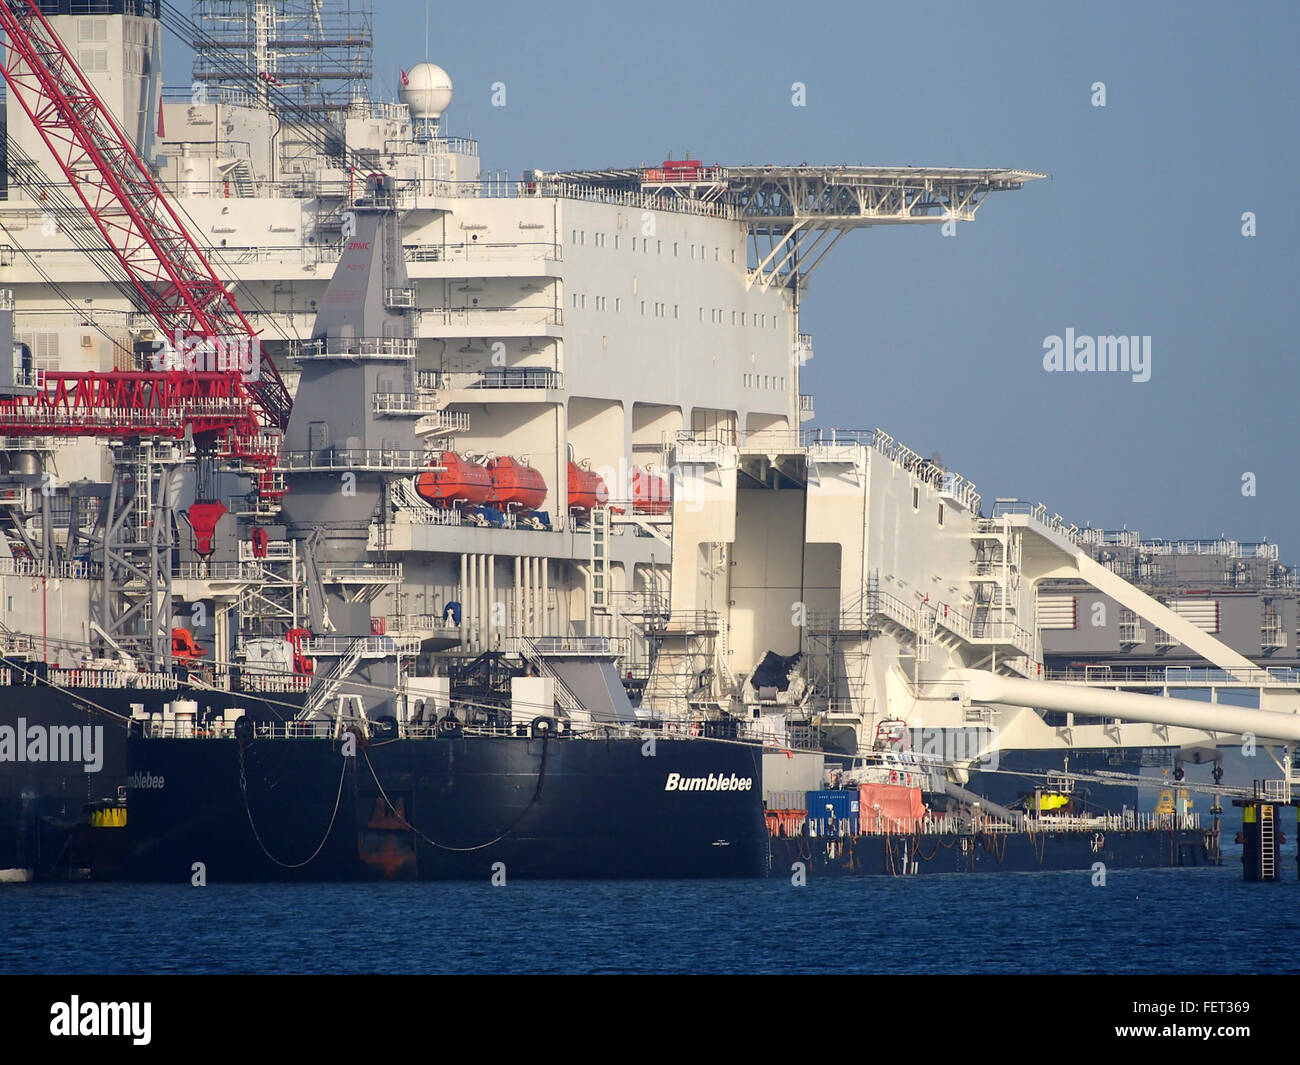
{"points": [[1195, 920]]}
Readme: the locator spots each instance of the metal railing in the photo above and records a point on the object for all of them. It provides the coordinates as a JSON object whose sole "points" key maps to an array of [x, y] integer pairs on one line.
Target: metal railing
{"points": [[520, 378], [356, 459], [483, 251], [354, 348], [1038, 512], [646, 201], [364, 646], [398, 624], [220, 571], [572, 645], [361, 572], [947, 482], [495, 317], [111, 678], [1178, 676], [27, 567], [282, 683]]}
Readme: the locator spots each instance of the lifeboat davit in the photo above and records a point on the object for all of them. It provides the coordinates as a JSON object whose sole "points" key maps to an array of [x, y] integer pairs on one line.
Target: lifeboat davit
{"points": [[650, 493], [586, 489], [456, 483], [515, 485]]}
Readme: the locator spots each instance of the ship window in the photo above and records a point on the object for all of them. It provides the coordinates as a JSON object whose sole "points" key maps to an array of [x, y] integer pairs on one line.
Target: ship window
{"points": [[616, 242], [715, 255], [618, 303], [634, 243], [776, 321], [692, 251], [675, 314], [742, 317], [574, 238], [584, 301], [659, 247], [575, 301], [733, 256], [941, 514], [674, 249], [916, 497], [643, 306]]}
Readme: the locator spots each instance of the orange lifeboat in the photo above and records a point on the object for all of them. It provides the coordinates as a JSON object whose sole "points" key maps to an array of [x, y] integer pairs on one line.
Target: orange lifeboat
{"points": [[586, 489], [515, 485], [456, 483], [183, 646], [650, 493]]}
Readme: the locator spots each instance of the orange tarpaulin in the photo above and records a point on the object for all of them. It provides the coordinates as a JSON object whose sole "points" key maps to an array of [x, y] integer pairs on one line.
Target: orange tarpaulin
{"points": [[889, 808]]}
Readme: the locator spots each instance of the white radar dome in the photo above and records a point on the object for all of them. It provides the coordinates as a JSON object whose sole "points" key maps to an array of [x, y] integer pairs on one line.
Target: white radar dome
{"points": [[427, 90]]}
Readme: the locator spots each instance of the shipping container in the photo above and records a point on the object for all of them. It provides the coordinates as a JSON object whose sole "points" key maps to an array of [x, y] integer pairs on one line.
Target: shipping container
{"points": [[832, 813]]}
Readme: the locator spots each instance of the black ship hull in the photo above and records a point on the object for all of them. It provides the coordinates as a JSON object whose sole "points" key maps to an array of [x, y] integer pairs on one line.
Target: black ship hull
{"points": [[446, 808], [48, 802], [994, 852]]}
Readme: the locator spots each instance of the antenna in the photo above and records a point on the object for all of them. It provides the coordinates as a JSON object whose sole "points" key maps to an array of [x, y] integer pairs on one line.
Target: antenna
{"points": [[426, 29]]}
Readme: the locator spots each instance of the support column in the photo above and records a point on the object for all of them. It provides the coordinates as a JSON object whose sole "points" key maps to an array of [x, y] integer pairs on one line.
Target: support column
{"points": [[493, 635], [519, 598], [545, 597]]}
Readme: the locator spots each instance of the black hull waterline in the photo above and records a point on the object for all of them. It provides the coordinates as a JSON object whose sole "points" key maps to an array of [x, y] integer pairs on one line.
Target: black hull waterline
{"points": [[461, 808], [601, 812]]}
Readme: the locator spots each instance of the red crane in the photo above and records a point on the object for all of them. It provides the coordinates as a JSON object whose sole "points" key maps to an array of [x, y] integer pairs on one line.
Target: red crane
{"points": [[241, 411]]}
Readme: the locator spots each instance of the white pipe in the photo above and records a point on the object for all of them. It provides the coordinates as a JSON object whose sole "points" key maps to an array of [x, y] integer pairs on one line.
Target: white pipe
{"points": [[526, 590], [467, 607], [464, 607], [483, 620], [492, 600], [1128, 706], [543, 597], [471, 601], [519, 626], [477, 596]]}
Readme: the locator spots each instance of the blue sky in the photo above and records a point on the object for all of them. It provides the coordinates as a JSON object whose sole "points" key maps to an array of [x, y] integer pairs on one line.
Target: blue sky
{"points": [[940, 340]]}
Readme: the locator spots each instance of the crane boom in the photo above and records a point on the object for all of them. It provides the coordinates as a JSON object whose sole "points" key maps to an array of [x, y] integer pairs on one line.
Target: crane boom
{"points": [[165, 264]]}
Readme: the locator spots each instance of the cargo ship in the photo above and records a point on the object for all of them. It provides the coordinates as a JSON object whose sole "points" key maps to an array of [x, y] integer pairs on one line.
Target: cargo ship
{"points": [[347, 441]]}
